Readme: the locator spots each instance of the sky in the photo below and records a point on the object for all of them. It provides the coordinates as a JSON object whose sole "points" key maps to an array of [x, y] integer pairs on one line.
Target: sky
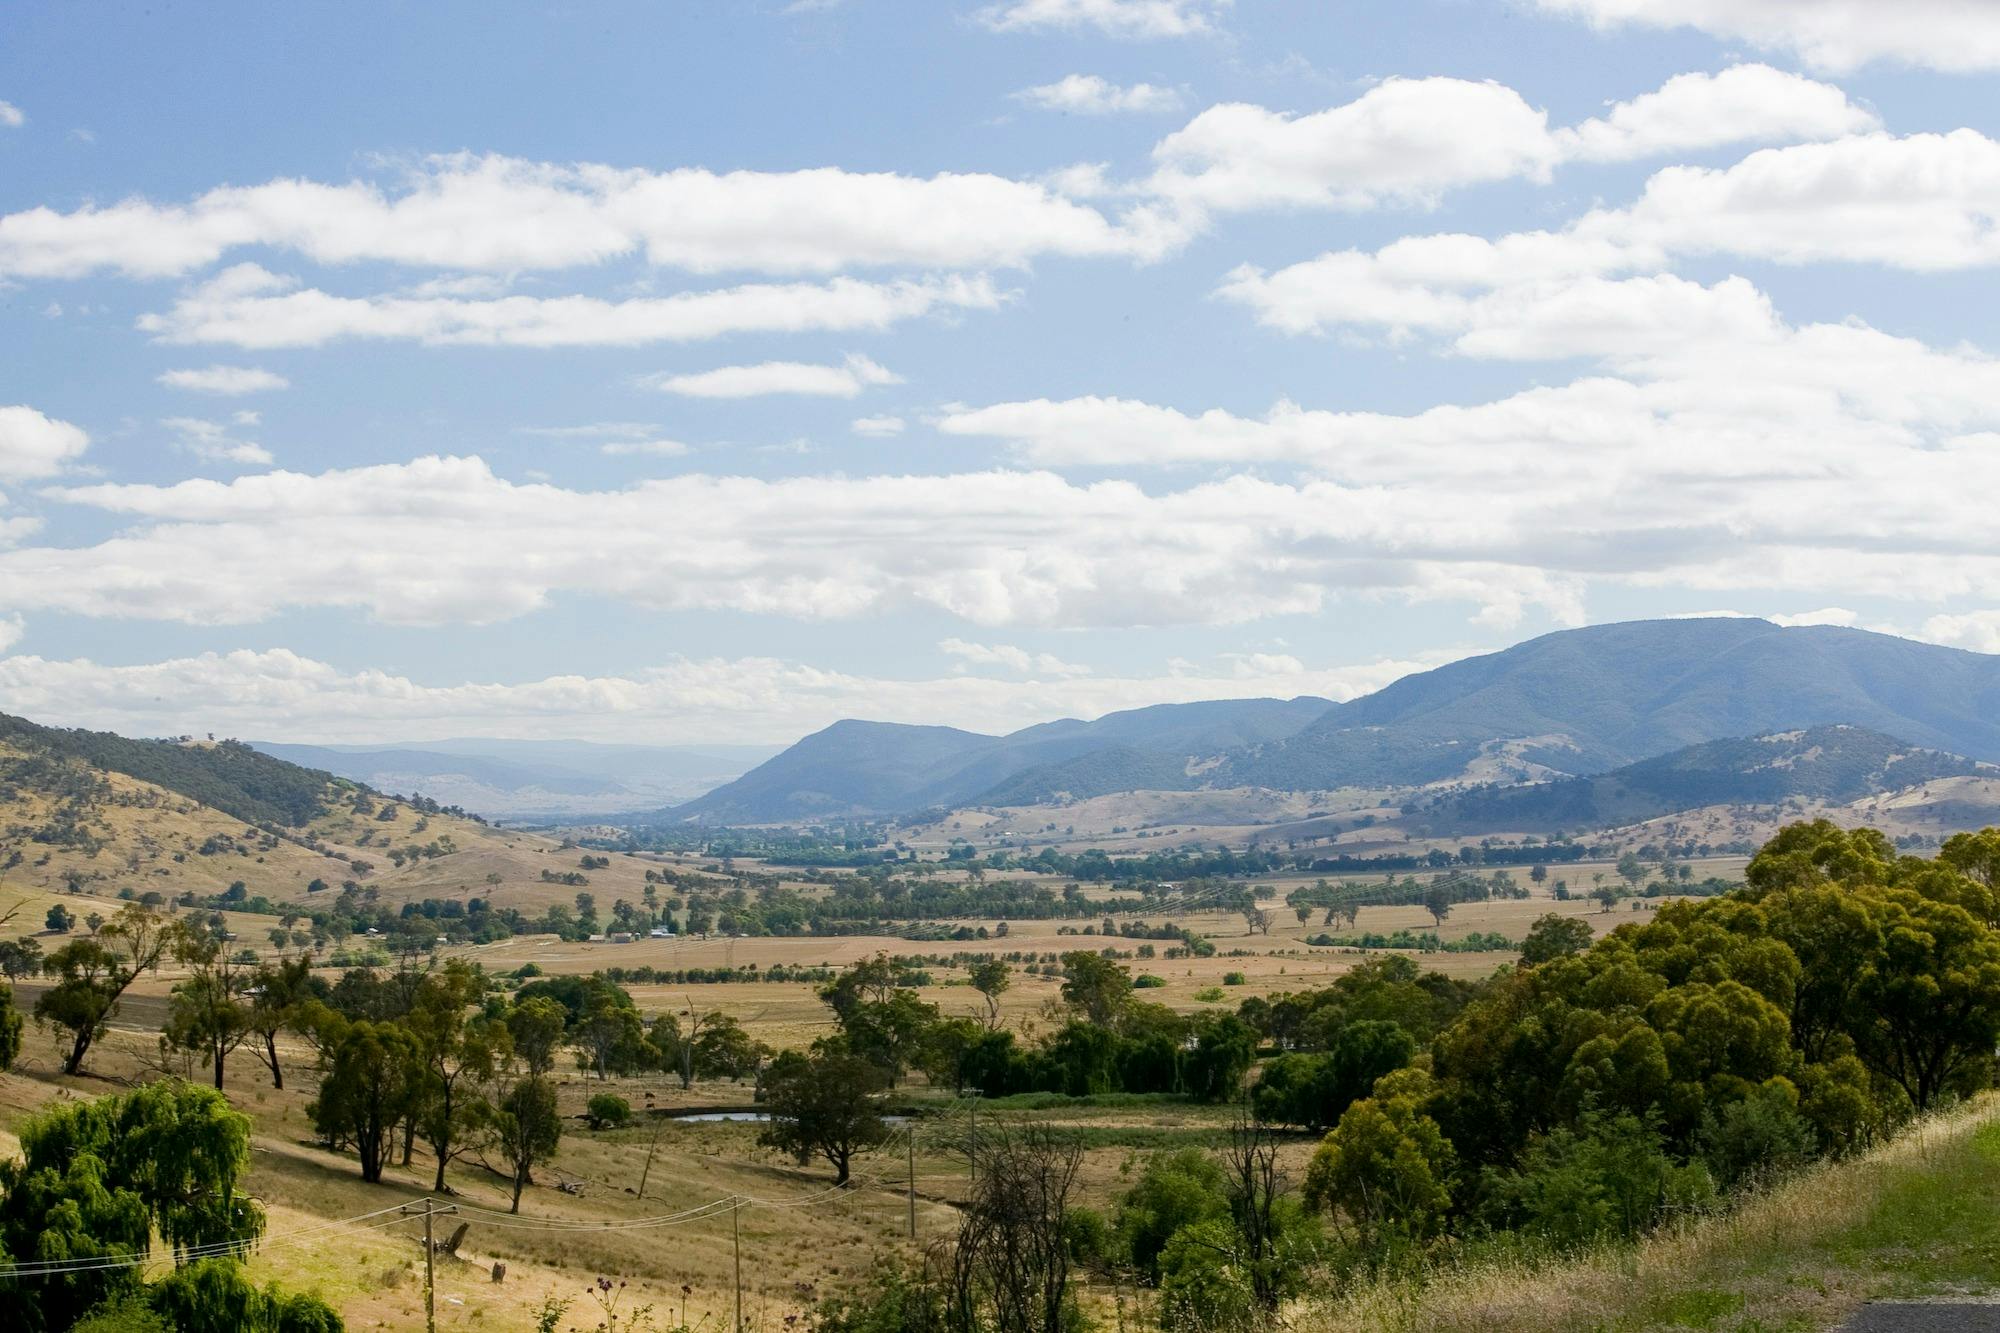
{"points": [[703, 372]]}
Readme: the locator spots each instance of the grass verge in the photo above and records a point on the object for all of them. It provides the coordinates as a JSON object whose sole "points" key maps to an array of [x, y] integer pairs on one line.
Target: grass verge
{"points": [[1918, 1216]]}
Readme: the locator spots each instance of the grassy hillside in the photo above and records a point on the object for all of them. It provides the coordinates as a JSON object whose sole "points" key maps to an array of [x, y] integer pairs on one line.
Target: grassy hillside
{"points": [[69, 827]]}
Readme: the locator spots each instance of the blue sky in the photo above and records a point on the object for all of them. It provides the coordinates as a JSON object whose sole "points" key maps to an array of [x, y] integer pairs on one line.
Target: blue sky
{"points": [[705, 372]]}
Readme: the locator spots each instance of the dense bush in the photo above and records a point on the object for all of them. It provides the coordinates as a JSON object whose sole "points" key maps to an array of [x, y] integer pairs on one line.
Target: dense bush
{"points": [[607, 1111]]}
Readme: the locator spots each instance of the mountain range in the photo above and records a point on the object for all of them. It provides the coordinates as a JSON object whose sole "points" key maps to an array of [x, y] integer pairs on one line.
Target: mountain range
{"points": [[1575, 703], [872, 768]]}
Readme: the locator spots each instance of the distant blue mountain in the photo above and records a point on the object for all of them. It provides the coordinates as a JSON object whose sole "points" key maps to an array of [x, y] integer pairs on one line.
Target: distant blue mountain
{"points": [[518, 779], [865, 768], [1577, 702]]}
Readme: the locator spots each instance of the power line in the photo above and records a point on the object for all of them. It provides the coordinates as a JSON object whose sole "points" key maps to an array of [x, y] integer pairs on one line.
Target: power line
{"points": [[505, 1221], [95, 1263]]}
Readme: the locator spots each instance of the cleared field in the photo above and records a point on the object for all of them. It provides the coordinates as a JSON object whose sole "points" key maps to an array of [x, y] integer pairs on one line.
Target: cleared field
{"points": [[789, 1013]]}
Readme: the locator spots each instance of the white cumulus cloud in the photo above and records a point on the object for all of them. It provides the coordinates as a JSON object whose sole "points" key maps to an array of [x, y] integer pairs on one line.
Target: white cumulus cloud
{"points": [[1410, 141], [1093, 95], [246, 306], [501, 214], [1977, 630], [1116, 18], [1960, 36], [35, 445], [211, 441], [1010, 658], [846, 380], [1690, 112], [225, 381], [992, 548]]}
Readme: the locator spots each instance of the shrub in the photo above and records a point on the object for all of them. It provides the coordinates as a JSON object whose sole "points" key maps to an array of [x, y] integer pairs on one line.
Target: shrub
{"points": [[1759, 1136], [607, 1110], [1233, 978]]}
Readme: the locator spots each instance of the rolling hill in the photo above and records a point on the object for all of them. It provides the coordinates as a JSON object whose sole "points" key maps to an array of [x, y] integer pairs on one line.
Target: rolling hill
{"points": [[1829, 764], [227, 775], [1573, 703], [101, 815], [860, 769]]}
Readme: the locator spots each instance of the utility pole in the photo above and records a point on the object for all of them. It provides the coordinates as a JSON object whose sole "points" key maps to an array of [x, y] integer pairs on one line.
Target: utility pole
{"points": [[430, 1211], [736, 1239], [910, 1143]]}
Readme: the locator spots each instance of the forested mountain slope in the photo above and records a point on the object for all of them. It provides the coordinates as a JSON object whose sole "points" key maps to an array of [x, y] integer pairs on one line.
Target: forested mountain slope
{"points": [[1588, 700], [1833, 764], [1575, 702]]}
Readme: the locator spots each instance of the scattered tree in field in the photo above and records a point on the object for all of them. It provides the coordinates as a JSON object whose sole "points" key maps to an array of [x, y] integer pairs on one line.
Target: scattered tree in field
{"points": [[60, 919], [92, 977], [207, 1014], [455, 1057], [536, 1026], [1097, 988], [275, 996], [1632, 870], [991, 978], [20, 958], [724, 1050], [823, 1105], [610, 1037], [1438, 900], [526, 1129], [675, 1046], [369, 1088]]}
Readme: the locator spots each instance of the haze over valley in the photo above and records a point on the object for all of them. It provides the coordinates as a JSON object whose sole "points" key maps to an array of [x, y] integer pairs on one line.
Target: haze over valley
{"points": [[1000, 666]]}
